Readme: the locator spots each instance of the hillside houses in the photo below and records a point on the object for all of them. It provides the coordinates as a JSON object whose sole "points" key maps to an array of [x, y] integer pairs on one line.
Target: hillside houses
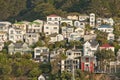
{"points": [[74, 36]]}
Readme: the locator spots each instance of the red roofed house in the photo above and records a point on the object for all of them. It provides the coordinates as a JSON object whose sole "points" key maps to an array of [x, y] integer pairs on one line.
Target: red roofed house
{"points": [[53, 19], [107, 47]]}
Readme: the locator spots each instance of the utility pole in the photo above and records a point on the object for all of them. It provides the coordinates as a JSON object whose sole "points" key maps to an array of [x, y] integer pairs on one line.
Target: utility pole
{"points": [[73, 71]]}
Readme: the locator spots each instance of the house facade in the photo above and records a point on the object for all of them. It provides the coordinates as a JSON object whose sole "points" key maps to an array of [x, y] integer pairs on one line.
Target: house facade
{"points": [[107, 47], [88, 63], [92, 20], [56, 37], [41, 54], [22, 48], [31, 38], [66, 31], [35, 27], [72, 61], [50, 29], [3, 37], [106, 28], [90, 47], [15, 34], [53, 19], [69, 22], [4, 26]]}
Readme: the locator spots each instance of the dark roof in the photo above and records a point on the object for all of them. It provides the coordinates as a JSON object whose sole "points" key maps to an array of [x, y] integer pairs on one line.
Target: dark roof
{"points": [[93, 43], [105, 26], [54, 35]]}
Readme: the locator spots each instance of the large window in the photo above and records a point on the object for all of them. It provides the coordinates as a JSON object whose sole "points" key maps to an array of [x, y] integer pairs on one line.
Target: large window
{"points": [[38, 51]]}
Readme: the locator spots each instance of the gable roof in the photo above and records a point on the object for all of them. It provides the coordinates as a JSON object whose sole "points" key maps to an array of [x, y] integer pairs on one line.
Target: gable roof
{"points": [[53, 15], [106, 45], [18, 45], [93, 43]]}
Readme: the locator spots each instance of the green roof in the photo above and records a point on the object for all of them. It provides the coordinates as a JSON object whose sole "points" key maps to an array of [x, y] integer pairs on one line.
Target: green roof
{"points": [[34, 23]]}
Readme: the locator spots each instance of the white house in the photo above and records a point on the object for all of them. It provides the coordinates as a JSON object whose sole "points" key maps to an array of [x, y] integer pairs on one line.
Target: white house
{"points": [[72, 17], [109, 21], [31, 38], [107, 47], [72, 60], [106, 28], [98, 21], [67, 30], [90, 47], [56, 37], [83, 17], [53, 19], [3, 36], [89, 37], [41, 53], [67, 21], [74, 37], [80, 31], [111, 37], [4, 26], [21, 25], [79, 24], [51, 28], [35, 26], [92, 20], [15, 34], [41, 77]]}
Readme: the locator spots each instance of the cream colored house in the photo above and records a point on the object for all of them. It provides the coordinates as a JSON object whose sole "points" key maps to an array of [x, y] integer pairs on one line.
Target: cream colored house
{"points": [[4, 26], [73, 56], [72, 17], [35, 27], [31, 38], [92, 19], [83, 17], [80, 31], [111, 37], [69, 22], [53, 19], [50, 29], [56, 37], [3, 37], [15, 34], [21, 25]]}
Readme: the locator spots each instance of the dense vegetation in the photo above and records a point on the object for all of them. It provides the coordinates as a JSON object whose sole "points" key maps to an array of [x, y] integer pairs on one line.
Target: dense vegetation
{"points": [[38, 9]]}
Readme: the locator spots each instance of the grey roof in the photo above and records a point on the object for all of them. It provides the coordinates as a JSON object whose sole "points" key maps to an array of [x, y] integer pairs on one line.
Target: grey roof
{"points": [[93, 43], [18, 45], [105, 26]]}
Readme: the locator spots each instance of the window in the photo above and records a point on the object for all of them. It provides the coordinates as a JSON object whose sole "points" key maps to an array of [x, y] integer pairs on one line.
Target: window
{"points": [[69, 53], [50, 19], [38, 51], [11, 32], [87, 59], [44, 50], [47, 32], [47, 27], [56, 19], [55, 27]]}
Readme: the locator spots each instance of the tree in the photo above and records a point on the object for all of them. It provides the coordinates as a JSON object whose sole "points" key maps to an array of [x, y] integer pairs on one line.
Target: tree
{"points": [[104, 57], [66, 75], [34, 73]]}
